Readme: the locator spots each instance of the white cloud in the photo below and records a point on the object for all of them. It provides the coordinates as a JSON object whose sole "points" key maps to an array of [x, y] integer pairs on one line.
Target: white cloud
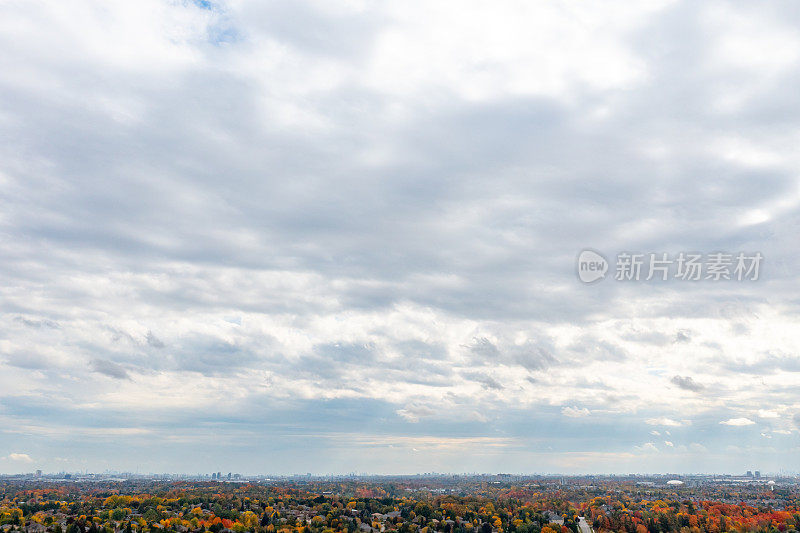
{"points": [[478, 416], [737, 422], [20, 457], [647, 447], [575, 412], [413, 413], [664, 421]]}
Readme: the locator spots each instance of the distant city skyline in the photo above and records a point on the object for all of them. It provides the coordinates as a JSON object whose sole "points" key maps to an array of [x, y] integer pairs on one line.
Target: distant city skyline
{"points": [[236, 476]]}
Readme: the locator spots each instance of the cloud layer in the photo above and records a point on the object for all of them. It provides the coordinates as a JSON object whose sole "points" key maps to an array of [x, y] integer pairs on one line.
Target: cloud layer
{"points": [[330, 237]]}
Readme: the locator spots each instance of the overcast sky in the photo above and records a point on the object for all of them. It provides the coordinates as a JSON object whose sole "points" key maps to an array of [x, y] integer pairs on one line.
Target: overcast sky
{"points": [[290, 236]]}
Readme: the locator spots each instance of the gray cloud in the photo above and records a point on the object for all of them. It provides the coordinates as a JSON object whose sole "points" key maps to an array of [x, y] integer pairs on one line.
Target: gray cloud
{"points": [[154, 341], [764, 363], [37, 323], [29, 360], [487, 381], [687, 383], [485, 349], [109, 368]]}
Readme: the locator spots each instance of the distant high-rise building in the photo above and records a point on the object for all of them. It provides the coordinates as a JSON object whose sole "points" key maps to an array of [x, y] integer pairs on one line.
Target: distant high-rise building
{"points": [[749, 473], [38, 473], [758, 474], [213, 475], [229, 475]]}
